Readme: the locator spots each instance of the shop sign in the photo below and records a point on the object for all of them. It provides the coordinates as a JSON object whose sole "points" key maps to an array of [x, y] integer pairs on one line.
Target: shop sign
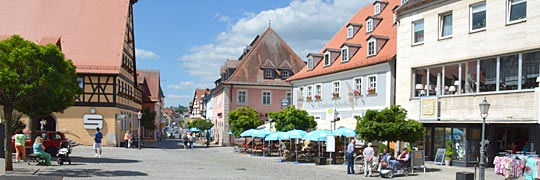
{"points": [[330, 114], [429, 109], [93, 121]]}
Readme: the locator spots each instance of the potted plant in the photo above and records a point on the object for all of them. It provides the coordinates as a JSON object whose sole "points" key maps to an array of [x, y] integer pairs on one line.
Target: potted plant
{"points": [[371, 90], [317, 97], [335, 94], [357, 92], [308, 98], [448, 153]]}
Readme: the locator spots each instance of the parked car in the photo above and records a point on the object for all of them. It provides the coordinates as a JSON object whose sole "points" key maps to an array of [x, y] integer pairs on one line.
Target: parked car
{"points": [[51, 141]]}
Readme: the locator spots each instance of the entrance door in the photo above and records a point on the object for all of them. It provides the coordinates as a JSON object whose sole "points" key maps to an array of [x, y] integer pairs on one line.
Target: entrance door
{"points": [[473, 145]]}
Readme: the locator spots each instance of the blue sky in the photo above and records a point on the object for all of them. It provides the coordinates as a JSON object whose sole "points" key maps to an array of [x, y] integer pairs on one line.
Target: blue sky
{"points": [[188, 40]]}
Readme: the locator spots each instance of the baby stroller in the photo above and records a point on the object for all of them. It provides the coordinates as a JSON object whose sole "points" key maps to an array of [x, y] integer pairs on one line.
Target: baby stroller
{"points": [[63, 153]]}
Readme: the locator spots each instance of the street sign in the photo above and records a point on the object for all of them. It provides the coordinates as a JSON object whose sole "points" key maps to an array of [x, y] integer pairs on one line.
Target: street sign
{"points": [[330, 115], [330, 144]]}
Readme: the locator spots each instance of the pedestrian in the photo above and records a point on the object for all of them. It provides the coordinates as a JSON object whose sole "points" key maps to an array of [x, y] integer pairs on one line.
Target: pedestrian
{"points": [[368, 153], [158, 135], [127, 139], [39, 150], [43, 122], [349, 157], [192, 140], [20, 150], [97, 143], [186, 140]]}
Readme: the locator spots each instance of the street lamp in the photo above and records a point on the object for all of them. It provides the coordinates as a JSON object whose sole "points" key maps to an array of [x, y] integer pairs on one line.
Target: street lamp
{"points": [[484, 108], [139, 116]]}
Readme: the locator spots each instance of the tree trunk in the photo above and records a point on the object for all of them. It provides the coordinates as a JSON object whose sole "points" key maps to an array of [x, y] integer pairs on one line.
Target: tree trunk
{"points": [[33, 129], [8, 113]]}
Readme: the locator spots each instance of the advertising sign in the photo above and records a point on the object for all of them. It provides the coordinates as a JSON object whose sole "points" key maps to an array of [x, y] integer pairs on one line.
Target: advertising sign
{"points": [[330, 143], [92, 121]]}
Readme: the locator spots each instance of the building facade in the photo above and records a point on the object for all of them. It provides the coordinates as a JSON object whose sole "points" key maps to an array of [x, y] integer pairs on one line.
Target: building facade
{"points": [[256, 79], [104, 57], [153, 100], [354, 72], [452, 54]]}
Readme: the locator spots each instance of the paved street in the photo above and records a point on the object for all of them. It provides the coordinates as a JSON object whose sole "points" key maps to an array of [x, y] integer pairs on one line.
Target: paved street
{"points": [[168, 160]]}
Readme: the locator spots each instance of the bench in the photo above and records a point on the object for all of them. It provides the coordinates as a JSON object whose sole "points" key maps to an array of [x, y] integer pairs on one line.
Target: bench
{"points": [[37, 159]]}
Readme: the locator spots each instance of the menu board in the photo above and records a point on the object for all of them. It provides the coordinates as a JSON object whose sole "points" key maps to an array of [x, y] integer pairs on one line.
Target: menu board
{"points": [[439, 157]]}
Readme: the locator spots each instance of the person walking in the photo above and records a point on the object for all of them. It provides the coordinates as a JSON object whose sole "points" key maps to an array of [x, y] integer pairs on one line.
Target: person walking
{"points": [[349, 157], [186, 140], [38, 150], [192, 140], [127, 139], [97, 143], [368, 153], [20, 140]]}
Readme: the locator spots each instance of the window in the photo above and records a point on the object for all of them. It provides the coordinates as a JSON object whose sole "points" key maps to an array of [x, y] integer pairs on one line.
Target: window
{"points": [[517, 10], [310, 91], [268, 74], [445, 25], [369, 24], [337, 86], [301, 89], [404, 1], [431, 88], [468, 82], [530, 70], [418, 31], [358, 85], [377, 8], [310, 63], [350, 31], [318, 89], [488, 75], [372, 84], [81, 82], [242, 95], [371, 47], [345, 54], [478, 17], [451, 79], [267, 98], [508, 73], [289, 97], [285, 74], [327, 59]]}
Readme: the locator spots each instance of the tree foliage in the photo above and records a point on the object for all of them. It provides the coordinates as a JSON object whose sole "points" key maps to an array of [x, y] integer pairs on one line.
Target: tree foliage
{"points": [[203, 125], [33, 76], [242, 119], [148, 119], [389, 124], [292, 118]]}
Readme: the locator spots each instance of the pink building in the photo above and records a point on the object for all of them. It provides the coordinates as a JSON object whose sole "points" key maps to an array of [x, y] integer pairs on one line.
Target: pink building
{"points": [[256, 80]]}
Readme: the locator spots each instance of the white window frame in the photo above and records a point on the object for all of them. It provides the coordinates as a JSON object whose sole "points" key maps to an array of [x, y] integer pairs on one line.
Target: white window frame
{"points": [[358, 85], [372, 84], [301, 89], [345, 56], [285, 74], [238, 96], [509, 11], [373, 47], [403, 1], [471, 17], [262, 99], [327, 57], [309, 91], [350, 31], [377, 8], [318, 89], [414, 32], [441, 25], [336, 86], [369, 25], [268, 74], [310, 63]]}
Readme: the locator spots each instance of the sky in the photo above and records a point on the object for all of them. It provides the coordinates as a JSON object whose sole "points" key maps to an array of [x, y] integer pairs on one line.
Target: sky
{"points": [[189, 40]]}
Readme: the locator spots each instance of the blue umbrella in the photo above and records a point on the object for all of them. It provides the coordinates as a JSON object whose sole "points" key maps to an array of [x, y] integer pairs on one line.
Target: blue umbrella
{"points": [[347, 132], [248, 133], [194, 129], [318, 135], [274, 136], [293, 134], [261, 133]]}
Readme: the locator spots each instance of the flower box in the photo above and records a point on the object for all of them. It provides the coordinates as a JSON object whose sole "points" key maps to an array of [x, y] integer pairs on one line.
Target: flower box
{"points": [[317, 97], [371, 91], [357, 92], [335, 95], [308, 98]]}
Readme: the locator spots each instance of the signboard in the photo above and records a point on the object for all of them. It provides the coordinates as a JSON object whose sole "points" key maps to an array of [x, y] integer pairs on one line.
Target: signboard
{"points": [[439, 157], [93, 121], [429, 109], [418, 160], [330, 114], [330, 144]]}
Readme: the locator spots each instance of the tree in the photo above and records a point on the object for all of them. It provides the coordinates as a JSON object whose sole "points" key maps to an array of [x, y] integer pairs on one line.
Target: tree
{"points": [[203, 125], [148, 120], [292, 118], [30, 74], [389, 124], [242, 119]]}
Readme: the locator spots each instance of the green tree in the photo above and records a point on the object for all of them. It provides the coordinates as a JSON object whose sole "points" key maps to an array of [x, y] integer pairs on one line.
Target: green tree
{"points": [[30, 74], [389, 124], [242, 119], [292, 118], [203, 125], [148, 119]]}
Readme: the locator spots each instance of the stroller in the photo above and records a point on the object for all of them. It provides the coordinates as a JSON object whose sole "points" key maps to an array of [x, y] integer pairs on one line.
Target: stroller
{"points": [[63, 153]]}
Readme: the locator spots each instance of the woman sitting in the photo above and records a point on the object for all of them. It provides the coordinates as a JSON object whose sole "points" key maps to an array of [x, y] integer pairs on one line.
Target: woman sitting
{"points": [[38, 151]]}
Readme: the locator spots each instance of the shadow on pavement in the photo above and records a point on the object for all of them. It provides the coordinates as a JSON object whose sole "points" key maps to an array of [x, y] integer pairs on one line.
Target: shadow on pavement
{"points": [[90, 173], [30, 178], [78, 160], [431, 170]]}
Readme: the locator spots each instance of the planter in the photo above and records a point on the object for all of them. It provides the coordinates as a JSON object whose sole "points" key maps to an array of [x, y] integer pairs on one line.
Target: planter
{"points": [[335, 95], [447, 162], [317, 97], [308, 98]]}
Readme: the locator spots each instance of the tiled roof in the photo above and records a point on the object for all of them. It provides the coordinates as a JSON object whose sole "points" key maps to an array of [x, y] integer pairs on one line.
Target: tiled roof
{"points": [[387, 52], [152, 78], [91, 31], [268, 47]]}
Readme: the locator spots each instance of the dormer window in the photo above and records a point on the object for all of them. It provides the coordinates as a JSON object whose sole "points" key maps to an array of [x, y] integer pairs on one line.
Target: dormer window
{"points": [[350, 31], [371, 47], [310, 63], [285, 74], [377, 8], [268, 74], [344, 54], [327, 60], [369, 24]]}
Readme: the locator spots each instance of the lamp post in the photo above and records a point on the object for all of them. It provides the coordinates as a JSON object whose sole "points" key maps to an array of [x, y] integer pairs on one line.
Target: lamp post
{"points": [[484, 108], [139, 116]]}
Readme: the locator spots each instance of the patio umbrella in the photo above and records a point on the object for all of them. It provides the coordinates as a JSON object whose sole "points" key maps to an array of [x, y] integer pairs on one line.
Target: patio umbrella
{"points": [[247, 133], [194, 129], [295, 133], [347, 132], [274, 136], [261, 134], [318, 135]]}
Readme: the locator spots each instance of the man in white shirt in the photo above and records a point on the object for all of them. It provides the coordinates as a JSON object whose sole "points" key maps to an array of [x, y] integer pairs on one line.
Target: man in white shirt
{"points": [[368, 153]]}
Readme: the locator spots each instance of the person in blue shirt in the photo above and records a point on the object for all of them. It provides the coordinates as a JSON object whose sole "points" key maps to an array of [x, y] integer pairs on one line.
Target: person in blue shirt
{"points": [[38, 150], [97, 142], [526, 148], [384, 159], [349, 156]]}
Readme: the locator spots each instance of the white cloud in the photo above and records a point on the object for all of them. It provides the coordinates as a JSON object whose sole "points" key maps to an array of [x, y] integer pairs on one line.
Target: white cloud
{"points": [[188, 85], [181, 97], [145, 54], [223, 18], [305, 25]]}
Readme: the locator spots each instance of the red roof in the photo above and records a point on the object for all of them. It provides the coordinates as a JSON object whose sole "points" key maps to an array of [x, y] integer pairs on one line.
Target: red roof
{"points": [[385, 29], [152, 78], [91, 32]]}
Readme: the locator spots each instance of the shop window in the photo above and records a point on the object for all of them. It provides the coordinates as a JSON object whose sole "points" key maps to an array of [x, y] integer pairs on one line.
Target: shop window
{"points": [[530, 70], [419, 82], [468, 84], [451, 79], [435, 73], [508, 73], [488, 75]]}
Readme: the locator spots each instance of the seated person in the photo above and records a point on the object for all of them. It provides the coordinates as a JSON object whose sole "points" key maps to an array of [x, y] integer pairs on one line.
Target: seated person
{"points": [[283, 148], [402, 159], [384, 159], [38, 151]]}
